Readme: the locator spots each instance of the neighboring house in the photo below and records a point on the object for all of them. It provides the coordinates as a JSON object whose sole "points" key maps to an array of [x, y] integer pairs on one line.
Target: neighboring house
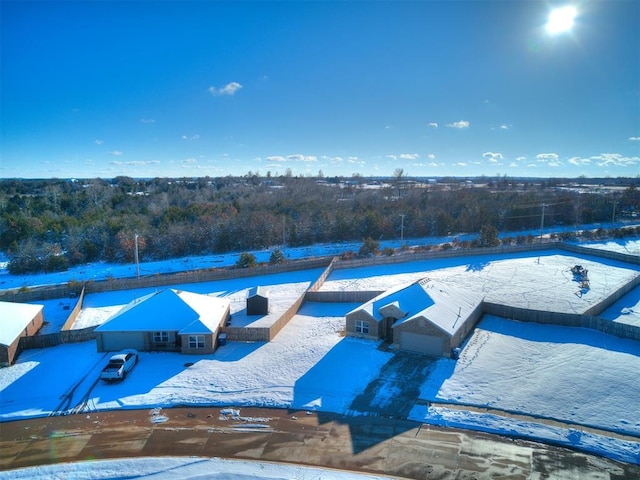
{"points": [[427, 317], [17, 320], [257, 301], [167, 320]]}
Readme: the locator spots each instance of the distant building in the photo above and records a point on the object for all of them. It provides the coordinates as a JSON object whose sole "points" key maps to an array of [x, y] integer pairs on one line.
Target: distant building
{"points": [[167, 320], [257, 301], [426, 317], [17, 320]]}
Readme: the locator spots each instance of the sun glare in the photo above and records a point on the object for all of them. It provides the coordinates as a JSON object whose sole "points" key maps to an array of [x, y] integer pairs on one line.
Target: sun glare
{"points": [[561, 20]]}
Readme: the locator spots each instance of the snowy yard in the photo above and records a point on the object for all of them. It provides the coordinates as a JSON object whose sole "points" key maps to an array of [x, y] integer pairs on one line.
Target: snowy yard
{"points": [[575, 376], [539, 280]]}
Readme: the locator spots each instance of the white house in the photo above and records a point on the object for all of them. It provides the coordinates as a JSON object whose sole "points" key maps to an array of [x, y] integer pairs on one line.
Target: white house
{"points": [[167, 320], [426, 316], [17, 320]]}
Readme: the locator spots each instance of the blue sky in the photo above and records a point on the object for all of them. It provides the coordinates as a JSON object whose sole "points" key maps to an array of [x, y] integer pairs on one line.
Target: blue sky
{"points": [[150, 88]]}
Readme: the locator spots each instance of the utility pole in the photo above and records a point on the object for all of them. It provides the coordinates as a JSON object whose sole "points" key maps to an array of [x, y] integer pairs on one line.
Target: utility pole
{"points": [[136, 256], [613, 217], [401, 230], [544, 205]]}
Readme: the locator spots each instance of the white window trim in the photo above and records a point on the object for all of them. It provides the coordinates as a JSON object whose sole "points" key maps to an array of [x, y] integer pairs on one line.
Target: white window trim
{"points": [[159, 337], [362, 326], [196, 341]]}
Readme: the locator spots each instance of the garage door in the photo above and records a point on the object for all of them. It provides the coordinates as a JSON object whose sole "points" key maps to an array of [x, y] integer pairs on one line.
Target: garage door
{"points": [[113, 342], [426, 344]]}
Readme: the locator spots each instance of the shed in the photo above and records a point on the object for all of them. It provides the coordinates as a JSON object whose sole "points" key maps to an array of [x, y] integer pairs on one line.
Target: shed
{"points": [[167, 320], [428, 317], [257, 301], [17, 320]]}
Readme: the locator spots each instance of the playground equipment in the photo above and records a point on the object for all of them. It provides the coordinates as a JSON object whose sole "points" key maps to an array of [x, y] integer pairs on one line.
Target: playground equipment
{"points": [[581, 275]]}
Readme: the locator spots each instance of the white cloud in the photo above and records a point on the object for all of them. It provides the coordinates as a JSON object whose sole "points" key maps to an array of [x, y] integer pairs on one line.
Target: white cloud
{"points": [[634, 139], [505, 127], [460, 124], [431, 156], [188, 161], [135, 162], [115, 153], [276, 158], [579, 161], [147, 120], [302, 158], [521, 159], [99, 142], [404, 156], [461, 164], [228, 89], [190, 137], [493, 157], [432, 124], [615, 159], [547, 157]]}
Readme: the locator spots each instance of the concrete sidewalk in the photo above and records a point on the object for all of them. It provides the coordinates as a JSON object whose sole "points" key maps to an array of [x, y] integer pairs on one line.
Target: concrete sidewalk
{"points": [[392, 447]]}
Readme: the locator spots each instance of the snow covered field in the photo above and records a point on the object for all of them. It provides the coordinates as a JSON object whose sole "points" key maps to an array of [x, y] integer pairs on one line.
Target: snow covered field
{"points": [[575, 376], [172, 468], [541, 281]]}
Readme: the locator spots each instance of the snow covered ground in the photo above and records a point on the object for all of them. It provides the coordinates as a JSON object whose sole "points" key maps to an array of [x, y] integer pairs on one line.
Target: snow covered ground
{"points": [[537, 280], [575, 376], [184, 468]]}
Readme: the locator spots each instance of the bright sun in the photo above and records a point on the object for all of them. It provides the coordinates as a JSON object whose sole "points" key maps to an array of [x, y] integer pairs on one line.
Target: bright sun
{"points": [[561, 20]]}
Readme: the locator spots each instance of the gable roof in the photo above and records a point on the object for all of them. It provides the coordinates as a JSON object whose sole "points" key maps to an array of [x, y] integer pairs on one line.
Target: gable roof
{"points": [[442, 305], [449, 309], [408, 299], [257, 291], [14, 318], [169, 310]]}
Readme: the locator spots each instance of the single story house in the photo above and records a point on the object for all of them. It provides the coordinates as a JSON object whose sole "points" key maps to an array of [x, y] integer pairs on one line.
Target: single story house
{"points": [[427, 317], [17, 320], [167, 320], [257, 301]]}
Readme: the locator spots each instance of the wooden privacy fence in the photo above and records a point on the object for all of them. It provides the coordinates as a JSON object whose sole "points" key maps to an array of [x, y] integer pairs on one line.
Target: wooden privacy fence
{"points": [[57, 338], [339, 296], [73, 288], [71, 319], [313, 293], [431, 255], [617, 329]]}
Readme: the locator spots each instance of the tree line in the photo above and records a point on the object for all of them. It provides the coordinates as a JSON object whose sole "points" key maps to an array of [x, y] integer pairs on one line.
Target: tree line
{"points": [[48, 225]]}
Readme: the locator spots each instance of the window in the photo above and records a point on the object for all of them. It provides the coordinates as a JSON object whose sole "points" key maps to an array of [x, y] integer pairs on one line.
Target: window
{"points": [[362, 327], [160, 337], [196, 341]]}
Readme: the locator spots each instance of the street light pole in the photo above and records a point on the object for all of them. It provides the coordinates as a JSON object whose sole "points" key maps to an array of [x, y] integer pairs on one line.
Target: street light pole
{"points": [[136, 256], [542, 221]]}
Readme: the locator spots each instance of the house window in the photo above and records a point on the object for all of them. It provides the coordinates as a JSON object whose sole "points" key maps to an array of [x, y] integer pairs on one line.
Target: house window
{"points": [[160, 337], [362, 327], [196, 341]]}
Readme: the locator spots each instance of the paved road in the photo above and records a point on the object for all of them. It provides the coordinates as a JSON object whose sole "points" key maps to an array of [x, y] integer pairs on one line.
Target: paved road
{"points": [[371, 444]]}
